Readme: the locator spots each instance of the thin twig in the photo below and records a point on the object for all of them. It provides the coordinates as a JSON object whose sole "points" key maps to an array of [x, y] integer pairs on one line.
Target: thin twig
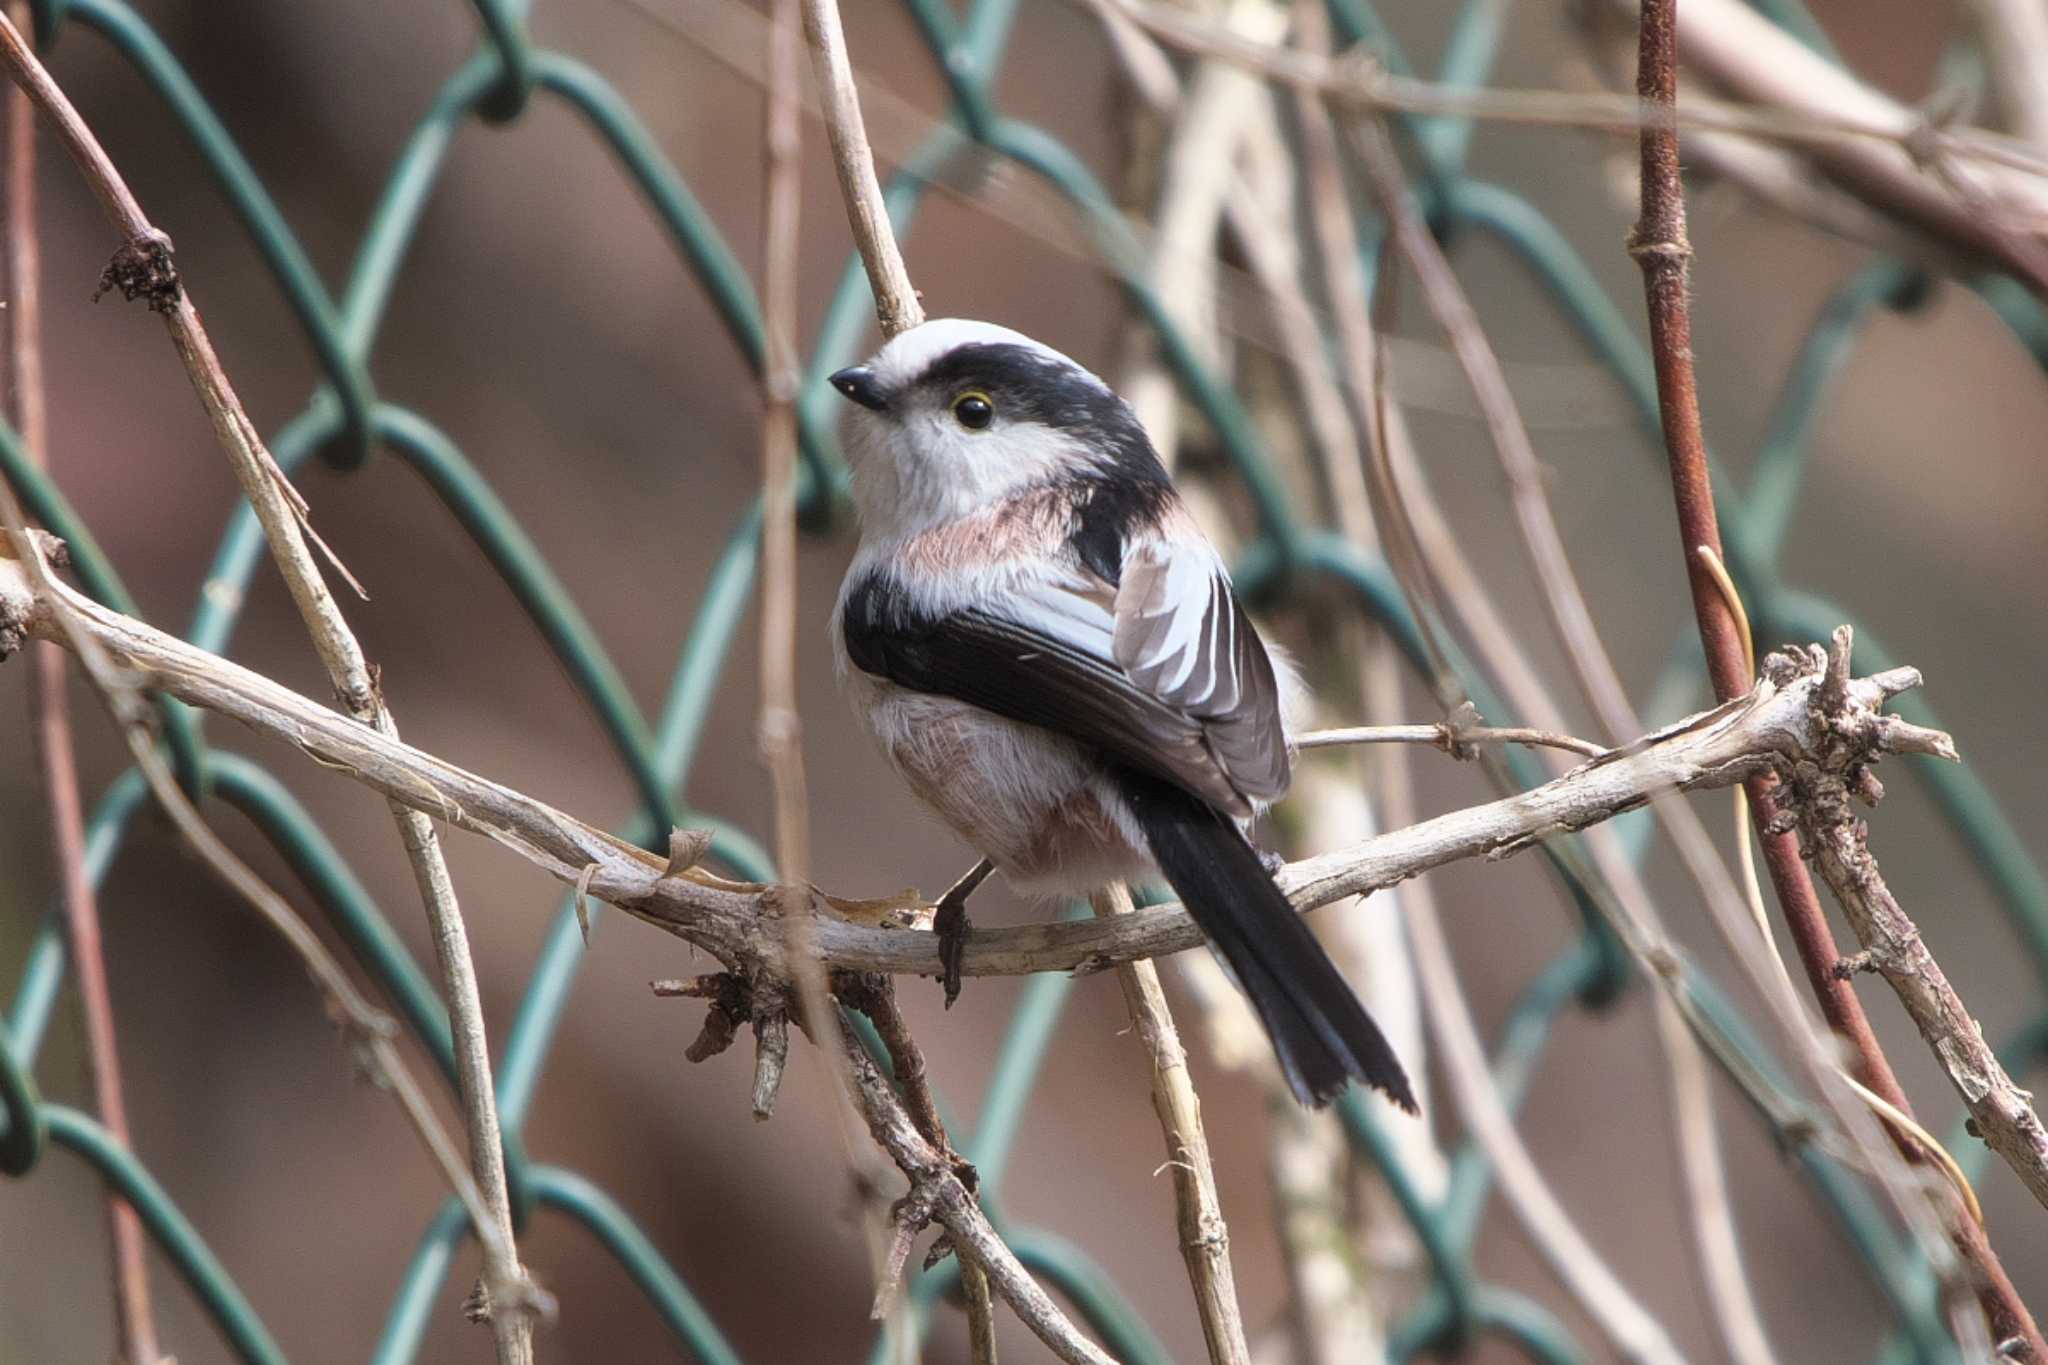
{"points": [[1204, 1237], [2013, 38], [1634, 912], [938, 1194], [1447, 737], [896, 303], [144, 267], [1660, 247], [1766, 730], [780, 732], [1917, 177], [897, 309], [367, 1030], [1636, 1335], [1983, 192], [136, 1323], [1820, 797]]}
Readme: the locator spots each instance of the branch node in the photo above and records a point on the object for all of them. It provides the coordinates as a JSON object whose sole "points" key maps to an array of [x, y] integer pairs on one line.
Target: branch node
{"points": [[1834, 687], [143, 269], [583, 880], [771, 1049], [1660, 253], [686, 848], [1452, 729], [731, 1006], [908, 1217], [941, 1247]]}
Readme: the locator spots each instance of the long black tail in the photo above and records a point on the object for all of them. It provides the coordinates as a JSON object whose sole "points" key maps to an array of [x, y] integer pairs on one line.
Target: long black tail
{"points": [[1322, 1034]]}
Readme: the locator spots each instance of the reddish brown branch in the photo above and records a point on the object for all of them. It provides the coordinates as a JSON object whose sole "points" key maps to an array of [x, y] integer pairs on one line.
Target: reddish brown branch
{"points": [[136, 1324], [1660, 247]]}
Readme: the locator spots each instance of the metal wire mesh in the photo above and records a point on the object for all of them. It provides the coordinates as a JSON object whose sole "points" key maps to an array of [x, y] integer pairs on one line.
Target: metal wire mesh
{"points": [[346, 420]]}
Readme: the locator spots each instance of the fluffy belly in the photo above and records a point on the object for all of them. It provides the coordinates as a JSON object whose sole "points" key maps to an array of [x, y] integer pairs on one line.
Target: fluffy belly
{"points": [[1036, 805]]}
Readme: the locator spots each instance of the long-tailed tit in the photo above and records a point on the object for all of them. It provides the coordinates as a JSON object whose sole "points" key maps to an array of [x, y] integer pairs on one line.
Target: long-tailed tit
{"points": [[1048, 650]]}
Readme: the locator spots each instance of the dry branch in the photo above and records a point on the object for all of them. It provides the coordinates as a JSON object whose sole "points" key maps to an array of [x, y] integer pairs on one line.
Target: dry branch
{"points": [[368, 1031], [1820, 794], [1204, 1237], [939, 1194], [56, 755], [143, 267], [1974, 190], [1662, 250], [1775, 725], [896, 304]]}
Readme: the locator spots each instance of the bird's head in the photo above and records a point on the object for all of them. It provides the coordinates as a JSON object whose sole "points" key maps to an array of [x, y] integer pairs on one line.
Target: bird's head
{"points": [[954, 416]]}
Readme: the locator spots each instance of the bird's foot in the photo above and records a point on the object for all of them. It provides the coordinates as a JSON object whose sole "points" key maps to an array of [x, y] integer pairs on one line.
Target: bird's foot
{"points": [[949, 922], [952, 926]]}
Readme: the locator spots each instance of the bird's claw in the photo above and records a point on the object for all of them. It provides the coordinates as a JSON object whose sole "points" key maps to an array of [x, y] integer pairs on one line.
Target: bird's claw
{"points": [[952, 926]]}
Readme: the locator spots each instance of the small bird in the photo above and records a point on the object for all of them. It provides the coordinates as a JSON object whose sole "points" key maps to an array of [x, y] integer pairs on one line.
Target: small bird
{"points": [[1049, 652]]}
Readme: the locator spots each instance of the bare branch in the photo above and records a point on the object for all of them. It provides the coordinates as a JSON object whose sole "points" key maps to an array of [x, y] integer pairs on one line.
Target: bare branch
{"points": [[1662, 250], [938, 1194], [1768, 729], [1976, 190], [1204, 1238], [1820, 795], [1448, 737], [367, 1030], [144, 265], [896, 303], [51, 709]]}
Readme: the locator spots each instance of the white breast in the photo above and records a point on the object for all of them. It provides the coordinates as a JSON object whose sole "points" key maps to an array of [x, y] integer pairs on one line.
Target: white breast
{"points": [[1037, 805]]}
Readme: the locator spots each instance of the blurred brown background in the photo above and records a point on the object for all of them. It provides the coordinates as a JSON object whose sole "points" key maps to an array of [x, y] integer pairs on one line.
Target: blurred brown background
{"points": [[544, 322]]}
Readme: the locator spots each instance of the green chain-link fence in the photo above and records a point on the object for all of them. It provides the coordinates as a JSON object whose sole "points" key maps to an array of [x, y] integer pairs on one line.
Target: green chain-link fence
{"points": [[346, 421]]}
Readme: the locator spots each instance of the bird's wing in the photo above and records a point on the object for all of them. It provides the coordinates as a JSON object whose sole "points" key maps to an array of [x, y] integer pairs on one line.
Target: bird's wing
{"points": [[1163, 671], [1182, 637]]}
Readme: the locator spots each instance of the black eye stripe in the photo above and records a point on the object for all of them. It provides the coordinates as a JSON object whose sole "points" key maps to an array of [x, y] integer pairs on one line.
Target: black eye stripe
{"points": [[1026, 386]]}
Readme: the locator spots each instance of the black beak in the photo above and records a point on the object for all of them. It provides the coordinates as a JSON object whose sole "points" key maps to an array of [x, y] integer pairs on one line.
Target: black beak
{"points": [[858, 382]]}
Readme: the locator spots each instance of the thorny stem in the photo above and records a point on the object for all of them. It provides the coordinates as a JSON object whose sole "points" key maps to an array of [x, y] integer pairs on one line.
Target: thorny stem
{"points": [[875, 996], [52, 709], [1661, 249], [144, 267]]}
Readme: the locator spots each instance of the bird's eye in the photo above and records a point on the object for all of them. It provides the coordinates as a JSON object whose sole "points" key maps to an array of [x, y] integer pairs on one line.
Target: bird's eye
{"points": [[974, 410]]}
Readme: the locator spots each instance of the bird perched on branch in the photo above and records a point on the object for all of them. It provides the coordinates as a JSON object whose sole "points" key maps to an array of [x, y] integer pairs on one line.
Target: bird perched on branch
{"points": [[1050, 653]]}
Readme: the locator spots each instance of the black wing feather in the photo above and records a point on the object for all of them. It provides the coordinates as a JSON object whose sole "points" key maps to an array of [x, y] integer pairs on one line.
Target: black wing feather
{"points": [[1025, 675]]}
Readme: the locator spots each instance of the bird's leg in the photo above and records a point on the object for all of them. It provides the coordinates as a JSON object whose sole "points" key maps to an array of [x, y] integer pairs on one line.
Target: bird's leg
{"points": [[950, 923]]}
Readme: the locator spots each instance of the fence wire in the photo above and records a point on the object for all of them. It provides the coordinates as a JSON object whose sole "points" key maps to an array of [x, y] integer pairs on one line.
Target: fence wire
{"points": [[345, 422]]}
